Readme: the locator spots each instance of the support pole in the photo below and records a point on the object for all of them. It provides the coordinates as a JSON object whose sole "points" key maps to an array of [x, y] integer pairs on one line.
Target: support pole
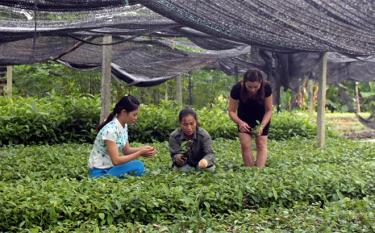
{"points": [[190, 88], [166, 96], [357, 99], [322, 102], [236, 74], [179, 90], [9, 81], [105, 90], [310, 95]]}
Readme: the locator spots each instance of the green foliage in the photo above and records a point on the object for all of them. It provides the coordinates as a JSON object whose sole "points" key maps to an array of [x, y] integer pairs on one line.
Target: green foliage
{"points": [[216, 121], [53, 78], [286, 99], [48, 78], [208, 85], [48, 120], [345, 215], [302, 188], [56, 119], [366, 93], [155, 123], [285, 125]]}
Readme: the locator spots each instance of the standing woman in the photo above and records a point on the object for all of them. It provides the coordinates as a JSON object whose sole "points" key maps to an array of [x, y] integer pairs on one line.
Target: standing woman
{"points": [[250, 107], [112, 138]]}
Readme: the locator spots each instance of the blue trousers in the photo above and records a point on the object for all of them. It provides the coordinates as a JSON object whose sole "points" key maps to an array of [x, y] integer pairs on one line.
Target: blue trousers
{"points": [[134, 167]]}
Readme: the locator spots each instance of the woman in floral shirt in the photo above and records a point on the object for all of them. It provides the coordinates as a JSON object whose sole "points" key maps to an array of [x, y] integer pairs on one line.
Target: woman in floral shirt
{"points": [[112, 140]]}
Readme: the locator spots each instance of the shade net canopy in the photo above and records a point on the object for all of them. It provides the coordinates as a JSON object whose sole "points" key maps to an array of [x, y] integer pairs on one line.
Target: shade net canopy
{"points": [[64, 5], [343, 26], [155, 60], [286, 34]]}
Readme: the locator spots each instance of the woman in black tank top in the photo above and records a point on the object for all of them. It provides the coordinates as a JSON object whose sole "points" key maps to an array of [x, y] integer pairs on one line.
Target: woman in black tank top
{"points": [[250, 107]]}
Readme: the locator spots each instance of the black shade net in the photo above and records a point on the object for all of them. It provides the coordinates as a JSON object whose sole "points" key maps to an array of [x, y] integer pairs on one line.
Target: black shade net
{"points": [[287, 37], [64, 5], [343, 26]]}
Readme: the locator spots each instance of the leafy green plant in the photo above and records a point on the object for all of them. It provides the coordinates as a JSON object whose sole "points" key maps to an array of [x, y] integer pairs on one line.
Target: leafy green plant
{"points": [[46, 188], [48, 120], [56, 119], [52, 78]]}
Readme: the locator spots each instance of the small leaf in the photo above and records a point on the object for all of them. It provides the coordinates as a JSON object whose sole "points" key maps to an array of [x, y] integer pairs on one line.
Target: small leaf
{"points": [[274, 193]]}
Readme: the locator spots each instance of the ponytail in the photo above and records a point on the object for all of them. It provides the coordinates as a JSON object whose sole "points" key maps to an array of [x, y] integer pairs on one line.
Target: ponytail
{"points": [[128, 102], [107, 120]]}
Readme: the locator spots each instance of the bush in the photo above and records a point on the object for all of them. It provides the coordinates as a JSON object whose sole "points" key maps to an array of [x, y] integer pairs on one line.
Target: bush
{"points": [[285, 125], [155, 123], [74, 119], [47, 186], [48, 120]]}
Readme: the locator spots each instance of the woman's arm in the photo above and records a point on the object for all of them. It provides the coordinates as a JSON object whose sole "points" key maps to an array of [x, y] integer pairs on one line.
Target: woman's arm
{"points": [[232, 111], [208, 151], [268, 110], [127, 150], [115, 157], [176, 152]]}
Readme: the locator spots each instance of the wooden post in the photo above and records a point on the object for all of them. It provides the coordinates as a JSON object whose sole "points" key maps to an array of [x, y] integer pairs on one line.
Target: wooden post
{"points": [[179, 90], [322, 102], [190, 88], [166, 96], [310, 95], [236, 74], [277, 96], [286, 104], [9, 81], [105, 90], [357, 103]]}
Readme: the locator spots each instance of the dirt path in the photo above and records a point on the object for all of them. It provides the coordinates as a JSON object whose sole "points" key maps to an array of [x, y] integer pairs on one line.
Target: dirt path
{"points": [[348, 125]]}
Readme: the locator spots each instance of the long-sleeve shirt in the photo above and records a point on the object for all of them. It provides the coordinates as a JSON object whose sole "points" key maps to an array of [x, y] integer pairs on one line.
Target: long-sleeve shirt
{"points": [[195, 149]]}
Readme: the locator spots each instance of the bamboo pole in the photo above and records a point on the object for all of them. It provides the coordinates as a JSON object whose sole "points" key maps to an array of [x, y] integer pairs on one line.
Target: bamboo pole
{"points": [[105, 90], [357, 101], [179, 90], [322, 102], [310, 95], [9, 81], [190, 88]]}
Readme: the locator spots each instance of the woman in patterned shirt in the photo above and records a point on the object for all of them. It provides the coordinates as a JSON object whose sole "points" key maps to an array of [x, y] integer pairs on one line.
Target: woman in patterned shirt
{"points": [[112, 140]]}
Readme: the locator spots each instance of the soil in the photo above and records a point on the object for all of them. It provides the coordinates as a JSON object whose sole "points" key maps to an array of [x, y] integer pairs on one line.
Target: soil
{"points": [[361, 135], [350, 127]]}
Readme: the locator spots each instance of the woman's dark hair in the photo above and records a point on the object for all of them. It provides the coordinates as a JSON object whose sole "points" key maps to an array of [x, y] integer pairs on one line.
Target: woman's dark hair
{"points": [[128, 102], [253, 76], [186, 112]]}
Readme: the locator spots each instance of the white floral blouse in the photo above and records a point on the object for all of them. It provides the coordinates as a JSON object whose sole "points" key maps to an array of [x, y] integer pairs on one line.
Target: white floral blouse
{"points": [[113, 131]]}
